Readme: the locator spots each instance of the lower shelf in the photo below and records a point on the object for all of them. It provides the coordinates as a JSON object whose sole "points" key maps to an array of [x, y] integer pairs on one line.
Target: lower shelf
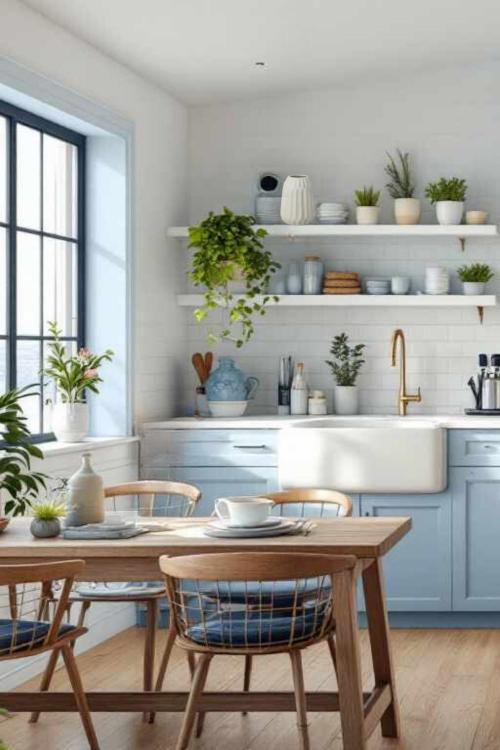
{"points": [[366, 300]]}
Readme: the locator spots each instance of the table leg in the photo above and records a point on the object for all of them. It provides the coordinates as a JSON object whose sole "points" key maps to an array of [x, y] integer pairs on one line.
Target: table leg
{"points": [[378, 625]]}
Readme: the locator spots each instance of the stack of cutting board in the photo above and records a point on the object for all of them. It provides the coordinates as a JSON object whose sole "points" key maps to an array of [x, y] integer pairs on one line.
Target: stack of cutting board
{"points": [[341, 282]]}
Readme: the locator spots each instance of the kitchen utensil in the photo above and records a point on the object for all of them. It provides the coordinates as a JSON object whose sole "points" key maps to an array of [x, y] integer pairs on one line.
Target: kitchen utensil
{"points": [[244, 511], [199, 366], [284, 386], [209, 360], [4, 522]]}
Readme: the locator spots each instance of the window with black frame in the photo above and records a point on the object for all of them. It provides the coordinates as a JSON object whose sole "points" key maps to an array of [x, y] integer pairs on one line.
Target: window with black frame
{"points": [[41, 249]]}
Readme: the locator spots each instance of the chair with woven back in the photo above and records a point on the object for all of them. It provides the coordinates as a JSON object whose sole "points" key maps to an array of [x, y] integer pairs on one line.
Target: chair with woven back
{"points": [[27, 630], [263, 618], [161, 499]]}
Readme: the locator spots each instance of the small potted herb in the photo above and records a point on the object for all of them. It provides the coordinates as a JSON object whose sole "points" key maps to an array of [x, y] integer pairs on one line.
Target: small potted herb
{"points": [[448, 196], [345, 366], [46, 518], [475, 277], [227, 247], [367, 209], [401, 187]]}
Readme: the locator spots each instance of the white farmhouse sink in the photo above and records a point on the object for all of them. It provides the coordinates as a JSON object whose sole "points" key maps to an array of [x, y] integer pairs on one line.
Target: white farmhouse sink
{"points": [[364, 454]]}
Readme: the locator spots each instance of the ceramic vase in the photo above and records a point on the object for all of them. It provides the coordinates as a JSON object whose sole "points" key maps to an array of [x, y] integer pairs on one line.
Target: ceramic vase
{"points": [[297, 203], [449, 213], [70, 422], [407, 210], [345, 399], [228, 383], [85, 496], [45, 529], [367, 214], [474, 287]]}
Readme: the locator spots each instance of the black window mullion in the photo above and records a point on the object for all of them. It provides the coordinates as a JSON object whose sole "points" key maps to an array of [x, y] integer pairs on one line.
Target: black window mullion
{"points": [[12, 273], [80, 249], [40, 346]]}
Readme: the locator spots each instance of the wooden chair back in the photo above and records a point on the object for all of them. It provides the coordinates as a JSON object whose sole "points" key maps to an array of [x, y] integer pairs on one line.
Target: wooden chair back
{"points": [[161, 498], [241, 596], [23, 594], [311, 502]]}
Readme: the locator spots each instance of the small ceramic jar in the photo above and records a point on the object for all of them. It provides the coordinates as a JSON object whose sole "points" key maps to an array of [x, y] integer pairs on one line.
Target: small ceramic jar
{"points": [[317, 404], [313, 275]]}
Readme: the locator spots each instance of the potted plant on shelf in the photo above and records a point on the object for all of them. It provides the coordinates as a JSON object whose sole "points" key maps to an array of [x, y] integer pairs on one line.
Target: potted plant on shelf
{"points": [[402, 187], [475, 277], [17, 479], [46, 518], [73, 375], [345, 366], [227, 244], [367, 209], [448, 197]]}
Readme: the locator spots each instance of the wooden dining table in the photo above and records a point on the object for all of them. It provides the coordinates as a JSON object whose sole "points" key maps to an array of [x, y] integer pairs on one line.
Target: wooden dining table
{"points": [[136, 559]]}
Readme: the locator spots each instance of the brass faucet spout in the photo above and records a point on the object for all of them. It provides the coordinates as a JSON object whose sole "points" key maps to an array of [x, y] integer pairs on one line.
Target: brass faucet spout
{"points": [[403, 397]]}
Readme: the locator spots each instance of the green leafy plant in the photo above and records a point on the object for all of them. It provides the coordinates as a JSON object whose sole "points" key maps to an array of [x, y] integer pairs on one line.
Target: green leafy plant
{"points": [[48, 510], [367, 196], [347, 361], [16, 477], [73, 374], [225, 244], [398, 170], [3, 715], [453, 189], [479, 273]]}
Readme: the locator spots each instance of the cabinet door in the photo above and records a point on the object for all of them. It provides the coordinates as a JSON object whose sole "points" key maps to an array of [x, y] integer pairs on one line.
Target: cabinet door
{"points": [[476, 540], [222, 482], [418, 568]]}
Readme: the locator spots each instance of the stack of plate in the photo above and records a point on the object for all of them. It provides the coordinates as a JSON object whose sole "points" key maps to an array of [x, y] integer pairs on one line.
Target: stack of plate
{"points": [[267, 209], [272, 526], [332, 213], [378, 286], [437, 280]]}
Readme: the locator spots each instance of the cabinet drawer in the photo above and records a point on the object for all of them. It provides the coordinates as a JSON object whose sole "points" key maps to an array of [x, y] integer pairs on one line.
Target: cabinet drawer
{"points": [[209, 448], [474, 447]]}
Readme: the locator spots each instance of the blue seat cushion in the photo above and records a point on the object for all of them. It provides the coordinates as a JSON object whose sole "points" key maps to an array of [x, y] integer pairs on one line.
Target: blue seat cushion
{"points": [[19, 634], [255, 593], [233, 629]]}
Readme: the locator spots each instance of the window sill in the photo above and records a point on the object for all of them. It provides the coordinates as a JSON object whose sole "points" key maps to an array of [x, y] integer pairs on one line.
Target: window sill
{"points": [[55, 448]]}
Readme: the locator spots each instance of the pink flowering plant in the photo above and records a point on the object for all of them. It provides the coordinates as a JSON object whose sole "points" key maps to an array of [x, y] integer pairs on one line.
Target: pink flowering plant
{"points": [[73, 374]]}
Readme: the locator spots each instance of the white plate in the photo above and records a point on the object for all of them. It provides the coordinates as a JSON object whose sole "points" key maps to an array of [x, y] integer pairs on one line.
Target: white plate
{"points": [[213, 531], [271, 522]]}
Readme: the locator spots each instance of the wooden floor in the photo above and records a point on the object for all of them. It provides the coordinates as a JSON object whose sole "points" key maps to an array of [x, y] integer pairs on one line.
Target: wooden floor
{"points": [[449, 687]]}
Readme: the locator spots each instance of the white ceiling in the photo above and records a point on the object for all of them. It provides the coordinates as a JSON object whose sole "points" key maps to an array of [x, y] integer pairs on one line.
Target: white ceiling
{"points": [[205, 50]]}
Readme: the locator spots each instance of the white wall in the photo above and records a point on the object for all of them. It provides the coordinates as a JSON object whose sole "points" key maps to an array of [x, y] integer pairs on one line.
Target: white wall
{"points": [[159, 199], [449, 121]]}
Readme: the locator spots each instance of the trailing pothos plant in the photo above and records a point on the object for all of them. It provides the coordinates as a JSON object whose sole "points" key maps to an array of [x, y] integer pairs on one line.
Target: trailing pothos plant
{"points": [[17, 479], [227, 244]]}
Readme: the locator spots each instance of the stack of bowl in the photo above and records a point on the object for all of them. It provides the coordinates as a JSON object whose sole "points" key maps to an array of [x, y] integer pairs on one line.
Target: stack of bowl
{"points": [[378, 286], [267, 209], [332, 213], [437, 280]]}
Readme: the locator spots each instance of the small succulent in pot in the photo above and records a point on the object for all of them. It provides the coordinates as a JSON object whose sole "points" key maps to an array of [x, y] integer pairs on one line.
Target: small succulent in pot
{"points": [[401, 187], [475, 277], [367, 209], [46, 518], [448, 195], [345, 366]]}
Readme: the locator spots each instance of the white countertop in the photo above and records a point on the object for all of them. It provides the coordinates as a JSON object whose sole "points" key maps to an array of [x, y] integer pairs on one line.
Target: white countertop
{"points": [[273, 422]]}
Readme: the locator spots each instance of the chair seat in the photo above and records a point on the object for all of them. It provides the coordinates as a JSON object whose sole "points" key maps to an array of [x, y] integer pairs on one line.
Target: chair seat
{"points": [[243, 628], [23, 634], [281, 593]]}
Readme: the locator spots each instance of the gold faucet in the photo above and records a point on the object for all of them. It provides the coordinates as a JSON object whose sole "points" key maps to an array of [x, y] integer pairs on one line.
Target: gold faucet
{"points": [[403, 397]]}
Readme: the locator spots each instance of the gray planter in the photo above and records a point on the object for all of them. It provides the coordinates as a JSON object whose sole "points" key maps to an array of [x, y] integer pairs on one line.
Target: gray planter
{"points": [[45, 529]]}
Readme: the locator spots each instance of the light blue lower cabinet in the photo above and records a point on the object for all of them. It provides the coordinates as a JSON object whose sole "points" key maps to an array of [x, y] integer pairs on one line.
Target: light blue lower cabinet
{"points": [[222, 481], [418, 569], [476, 538]]}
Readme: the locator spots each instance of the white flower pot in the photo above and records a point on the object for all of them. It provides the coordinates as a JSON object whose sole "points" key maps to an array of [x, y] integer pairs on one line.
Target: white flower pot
{"points": [[345, 399], [474, 287], [70, 422], [367, 214], [407, 210], [449, 212], [297, 203]]}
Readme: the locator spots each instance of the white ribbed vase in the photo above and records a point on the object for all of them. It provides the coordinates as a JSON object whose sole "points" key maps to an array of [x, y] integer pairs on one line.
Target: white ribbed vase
{"points": [[297, 203]]}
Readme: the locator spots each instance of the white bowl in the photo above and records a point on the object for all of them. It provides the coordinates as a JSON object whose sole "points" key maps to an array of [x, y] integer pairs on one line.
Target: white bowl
{"points": [[227, 408]]}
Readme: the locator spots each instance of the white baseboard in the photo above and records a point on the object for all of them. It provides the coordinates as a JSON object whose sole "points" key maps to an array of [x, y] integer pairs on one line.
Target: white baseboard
{"points": [[104, 621]]}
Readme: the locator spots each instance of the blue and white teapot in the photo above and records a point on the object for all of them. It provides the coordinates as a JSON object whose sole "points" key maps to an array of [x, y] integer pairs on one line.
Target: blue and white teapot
{"points": [[228, 383]]}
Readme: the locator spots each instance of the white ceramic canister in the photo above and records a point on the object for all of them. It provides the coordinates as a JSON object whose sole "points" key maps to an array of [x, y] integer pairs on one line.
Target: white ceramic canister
{"points": [[85, 496], [297, 204], [313, 275], [317, 404]]}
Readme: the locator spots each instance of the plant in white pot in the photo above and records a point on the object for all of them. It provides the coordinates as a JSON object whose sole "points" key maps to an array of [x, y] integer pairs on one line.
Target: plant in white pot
{"points": [[73, 375], [367, 209], [448, 196], [401, 187], [345, 366], [475, 277]]}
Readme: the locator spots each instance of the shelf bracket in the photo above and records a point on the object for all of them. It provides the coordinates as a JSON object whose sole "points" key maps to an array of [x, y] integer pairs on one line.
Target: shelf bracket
{"points": [[480, 312], [462, 243]]}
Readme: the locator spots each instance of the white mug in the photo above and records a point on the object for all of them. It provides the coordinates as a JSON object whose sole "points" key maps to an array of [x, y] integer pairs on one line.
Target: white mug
{"points": [[400, 285], [243, 511]]}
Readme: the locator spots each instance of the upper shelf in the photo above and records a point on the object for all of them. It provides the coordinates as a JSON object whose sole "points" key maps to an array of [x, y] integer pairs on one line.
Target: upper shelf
{"points": [[359, 230]]}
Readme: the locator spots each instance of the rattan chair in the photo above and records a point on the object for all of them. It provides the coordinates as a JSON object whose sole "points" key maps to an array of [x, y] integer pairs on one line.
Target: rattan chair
{"points": [[166, 500], [27, 631], [285, 621]]}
